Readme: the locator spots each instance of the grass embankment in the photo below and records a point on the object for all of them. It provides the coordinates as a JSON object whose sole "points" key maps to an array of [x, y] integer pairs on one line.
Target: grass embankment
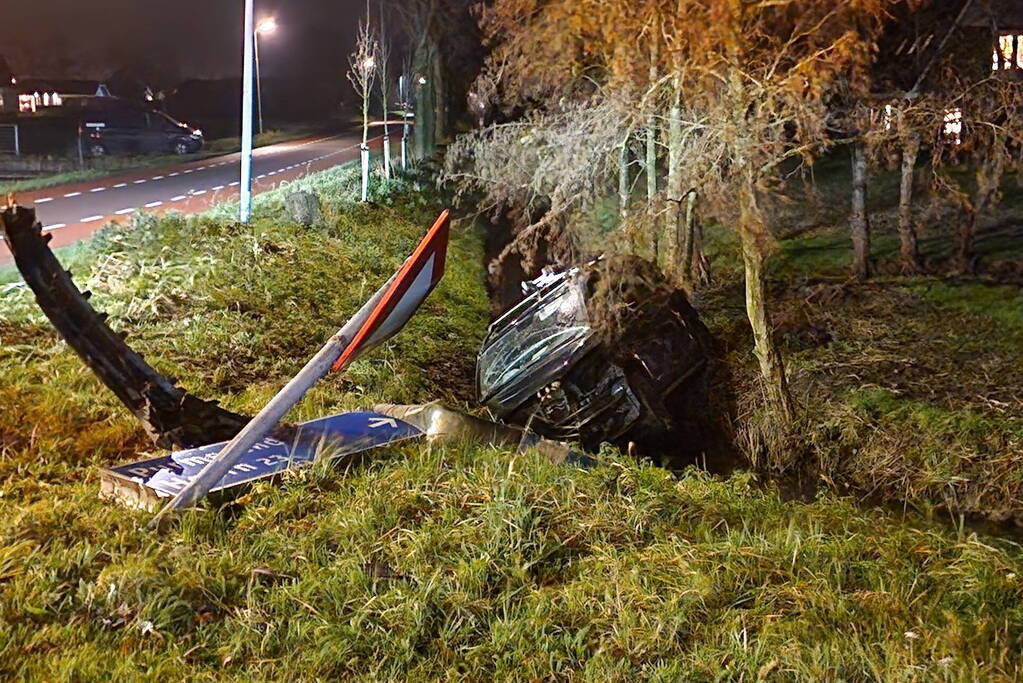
{"points": [[112, 165], [463, 563], [909, 386]]}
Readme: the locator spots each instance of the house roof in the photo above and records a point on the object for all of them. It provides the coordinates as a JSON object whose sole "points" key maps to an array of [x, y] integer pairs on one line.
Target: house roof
{"points": [[62, 86], [997, 13]]}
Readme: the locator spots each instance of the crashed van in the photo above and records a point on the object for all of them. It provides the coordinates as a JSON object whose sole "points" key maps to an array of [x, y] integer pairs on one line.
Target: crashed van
{"points": [[607, 351]]}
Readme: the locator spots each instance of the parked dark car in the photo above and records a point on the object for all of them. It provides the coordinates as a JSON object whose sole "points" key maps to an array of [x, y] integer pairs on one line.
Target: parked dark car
{"points": [[137, 131]]}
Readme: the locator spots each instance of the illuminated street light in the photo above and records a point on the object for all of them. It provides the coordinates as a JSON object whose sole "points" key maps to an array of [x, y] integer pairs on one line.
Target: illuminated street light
{"points": [[250, 59], [245, 188], [268, 25], [422, 80]]}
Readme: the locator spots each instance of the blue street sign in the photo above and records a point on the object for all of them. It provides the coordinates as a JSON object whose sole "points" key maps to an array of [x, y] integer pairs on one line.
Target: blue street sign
{"points": [[329, 437]]}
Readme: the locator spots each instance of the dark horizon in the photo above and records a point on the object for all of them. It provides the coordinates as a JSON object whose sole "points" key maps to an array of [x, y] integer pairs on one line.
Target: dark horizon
{"points": [[193, 39]]}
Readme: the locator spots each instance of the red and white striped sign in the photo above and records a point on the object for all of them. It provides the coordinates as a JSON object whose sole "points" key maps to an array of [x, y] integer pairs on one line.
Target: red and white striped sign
{"points": [[406, 292], [378, 320]]}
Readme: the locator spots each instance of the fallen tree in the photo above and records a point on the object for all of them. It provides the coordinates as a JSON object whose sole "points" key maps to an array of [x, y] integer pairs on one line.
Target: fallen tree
{"points": [[171, 416]]}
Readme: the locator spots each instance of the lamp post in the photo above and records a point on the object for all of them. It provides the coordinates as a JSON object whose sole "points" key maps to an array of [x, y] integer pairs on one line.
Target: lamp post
{"points": [[250, 59], [245, 204], [266, 27]]}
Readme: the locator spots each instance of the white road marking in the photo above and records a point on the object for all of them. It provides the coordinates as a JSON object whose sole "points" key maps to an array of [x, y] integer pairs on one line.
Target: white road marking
{"points": [[196, 193], [120, 185], [98, 189], [139, 182], [123, 212], [174, 174], [178, 198], [218, 188], [44, 200], [152, 205], [55, 226], [157, 177], [90, 219], [234, 184], [188, 170], [260, 177], [72, 194], [271, 173], [201, 168]]}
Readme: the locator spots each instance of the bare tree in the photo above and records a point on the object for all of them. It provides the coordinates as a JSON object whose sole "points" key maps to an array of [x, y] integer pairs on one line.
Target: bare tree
{"points": [[859, 222], [909, 252], [362, 73]]}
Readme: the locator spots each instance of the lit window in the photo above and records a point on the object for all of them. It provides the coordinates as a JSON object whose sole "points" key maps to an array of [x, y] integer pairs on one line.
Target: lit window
{"points": [[57, 100], [26, 103], [1008, 53], [953, 128], [889, 114], [46, 99]]}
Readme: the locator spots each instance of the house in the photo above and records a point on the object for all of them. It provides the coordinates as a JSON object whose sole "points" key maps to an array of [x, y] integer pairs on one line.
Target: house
{"points": [[36, 94], [928, 45], [1007, 25]]}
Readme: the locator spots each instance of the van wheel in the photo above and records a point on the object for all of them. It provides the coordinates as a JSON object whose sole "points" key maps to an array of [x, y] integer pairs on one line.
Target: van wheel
{"points": [[97, 150], [181, 148]]}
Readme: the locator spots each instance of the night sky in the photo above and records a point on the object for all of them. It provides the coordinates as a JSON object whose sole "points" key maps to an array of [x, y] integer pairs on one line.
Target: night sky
{"points": [[175, 39]]}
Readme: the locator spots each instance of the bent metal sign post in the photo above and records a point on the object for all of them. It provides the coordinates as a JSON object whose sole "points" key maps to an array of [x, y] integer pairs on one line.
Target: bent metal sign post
{"points": [[380, 318]]}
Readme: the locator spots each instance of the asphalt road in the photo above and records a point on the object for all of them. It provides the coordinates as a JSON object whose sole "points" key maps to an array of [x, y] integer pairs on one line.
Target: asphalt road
{"points": [[73, 212]]}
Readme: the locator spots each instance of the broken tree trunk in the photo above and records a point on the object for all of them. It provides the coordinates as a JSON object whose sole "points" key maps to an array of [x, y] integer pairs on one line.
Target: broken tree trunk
{"points": [[859, 224], [171, 416], [908, 249]]}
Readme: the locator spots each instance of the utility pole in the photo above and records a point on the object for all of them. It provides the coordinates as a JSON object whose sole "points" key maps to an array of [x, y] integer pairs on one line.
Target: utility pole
{"points": [[259, 84], [245, 208]]}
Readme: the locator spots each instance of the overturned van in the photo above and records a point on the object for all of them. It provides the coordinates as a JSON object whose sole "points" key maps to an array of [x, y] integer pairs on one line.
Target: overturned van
{"points": [[602, 352]]}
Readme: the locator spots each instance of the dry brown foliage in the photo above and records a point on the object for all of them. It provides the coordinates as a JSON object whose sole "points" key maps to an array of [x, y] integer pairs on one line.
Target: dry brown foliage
{"points": [[742, 87]]}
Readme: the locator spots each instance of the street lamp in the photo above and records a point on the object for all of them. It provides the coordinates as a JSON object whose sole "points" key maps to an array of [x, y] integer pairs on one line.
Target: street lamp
{"points": [[245, 188], [265, 27], [249, 59], [268, 25]]}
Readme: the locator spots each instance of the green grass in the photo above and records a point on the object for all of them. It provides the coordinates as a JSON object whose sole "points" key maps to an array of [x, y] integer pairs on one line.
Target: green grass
{"points": [[1003, 304], [909, 387], [454, 562]]}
